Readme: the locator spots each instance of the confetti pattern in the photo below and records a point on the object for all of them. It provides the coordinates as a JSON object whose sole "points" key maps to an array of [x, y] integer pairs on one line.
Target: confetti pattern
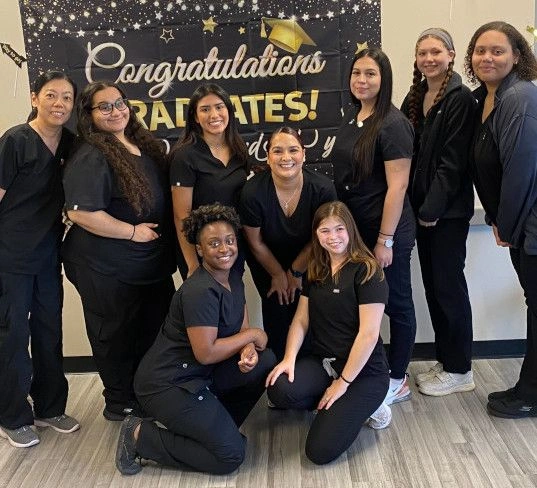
{"points": [[139, 42]]}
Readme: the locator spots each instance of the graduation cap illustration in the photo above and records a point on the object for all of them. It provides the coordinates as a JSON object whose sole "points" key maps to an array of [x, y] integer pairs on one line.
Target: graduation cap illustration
{"points": [[286, 34]]}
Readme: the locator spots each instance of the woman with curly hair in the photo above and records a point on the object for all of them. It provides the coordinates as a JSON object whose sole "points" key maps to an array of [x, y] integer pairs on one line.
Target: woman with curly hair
{"points": [[118, 253], [207, 367], [345, 377], [441, 110], [504, 154], [208, 164]]}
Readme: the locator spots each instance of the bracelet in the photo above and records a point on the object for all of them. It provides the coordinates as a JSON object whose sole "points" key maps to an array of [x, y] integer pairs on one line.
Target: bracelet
{"points": [[346, 381], [382, 233], [133, 231]]}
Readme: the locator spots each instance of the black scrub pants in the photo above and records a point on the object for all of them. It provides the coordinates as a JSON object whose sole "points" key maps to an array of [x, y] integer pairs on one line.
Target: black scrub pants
{"points": [[202, 428], [334, 430], [31, 313], [400, 307], [122, 322], [442, 254], [526, 267]]}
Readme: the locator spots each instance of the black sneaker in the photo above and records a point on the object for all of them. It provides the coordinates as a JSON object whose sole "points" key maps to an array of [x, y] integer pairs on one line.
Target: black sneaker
{"points": [[499, 395], [126, 447], [116, 413], [512, 408]]}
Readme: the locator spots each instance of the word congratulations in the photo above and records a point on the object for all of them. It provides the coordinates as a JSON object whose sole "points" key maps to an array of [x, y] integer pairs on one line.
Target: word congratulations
{"points": [[162, 75]]}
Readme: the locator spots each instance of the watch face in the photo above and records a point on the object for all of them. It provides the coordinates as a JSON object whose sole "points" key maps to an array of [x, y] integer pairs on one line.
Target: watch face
{"points": [[388, 242]]}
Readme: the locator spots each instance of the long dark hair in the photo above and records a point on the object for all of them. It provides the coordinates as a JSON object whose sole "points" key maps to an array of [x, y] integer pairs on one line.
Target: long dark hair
{"points": [[132, 183], [526, 68], [418, 90], [193, 129], [364, 148], [319, 267], [42, 80]]}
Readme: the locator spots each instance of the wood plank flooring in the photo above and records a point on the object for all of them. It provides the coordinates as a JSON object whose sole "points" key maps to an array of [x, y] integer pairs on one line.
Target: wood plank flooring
{"points": [[447, 442]]}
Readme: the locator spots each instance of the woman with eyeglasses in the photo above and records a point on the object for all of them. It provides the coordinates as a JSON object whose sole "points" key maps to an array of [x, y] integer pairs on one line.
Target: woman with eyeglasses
{"points": [[118, 253]]}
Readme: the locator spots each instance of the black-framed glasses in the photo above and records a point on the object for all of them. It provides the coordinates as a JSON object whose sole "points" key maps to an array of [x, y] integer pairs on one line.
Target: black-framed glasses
{"points": [[106, 108]]}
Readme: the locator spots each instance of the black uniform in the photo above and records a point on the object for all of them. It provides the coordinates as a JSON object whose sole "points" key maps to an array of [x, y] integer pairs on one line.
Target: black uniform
{"points": [[284, 236], [125, 286], [334, 323], [30, 277], [201, 406], [441, 189], [366, 201]]}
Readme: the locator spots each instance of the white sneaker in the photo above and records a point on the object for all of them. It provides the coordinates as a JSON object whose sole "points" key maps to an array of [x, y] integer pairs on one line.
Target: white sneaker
{"points": [[429, 375], [445, 383], [398, 394], [381, 417]]}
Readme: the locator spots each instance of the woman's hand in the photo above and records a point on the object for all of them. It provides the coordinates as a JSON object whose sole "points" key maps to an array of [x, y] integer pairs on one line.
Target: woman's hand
{"points": [[287, 366], [144, 232], [499, 242], [383, 254], [294, 285], [249, 358], [280, 286], [336, 390]]}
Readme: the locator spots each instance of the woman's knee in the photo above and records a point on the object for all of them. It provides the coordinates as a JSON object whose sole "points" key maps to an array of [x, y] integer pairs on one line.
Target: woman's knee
{"points": [[321, 453]]}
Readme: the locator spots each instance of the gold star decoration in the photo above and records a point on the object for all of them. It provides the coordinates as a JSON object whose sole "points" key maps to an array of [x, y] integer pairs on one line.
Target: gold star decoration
{"points": [[167, 35], [209, 24], [242, 30], [360, 46]]}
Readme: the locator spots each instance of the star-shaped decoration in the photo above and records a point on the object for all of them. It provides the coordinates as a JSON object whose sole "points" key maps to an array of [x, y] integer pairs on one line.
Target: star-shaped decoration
{"points": [[158, 16], [255, 8], [305, 17], [136, 26], [281, 15], [242, 30], [355, 8], [110, 32], [360, 46], [167, 35], [209, 24], [53, 28], [330, 14], [80, 33]]}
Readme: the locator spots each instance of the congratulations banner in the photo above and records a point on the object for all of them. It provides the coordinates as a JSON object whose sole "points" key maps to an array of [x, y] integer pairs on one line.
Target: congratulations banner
{"points": [[282, 62]]}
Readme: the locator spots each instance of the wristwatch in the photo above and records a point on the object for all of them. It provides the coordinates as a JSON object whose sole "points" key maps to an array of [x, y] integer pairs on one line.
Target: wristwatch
{"points": [[385, 242], [296, 274]]}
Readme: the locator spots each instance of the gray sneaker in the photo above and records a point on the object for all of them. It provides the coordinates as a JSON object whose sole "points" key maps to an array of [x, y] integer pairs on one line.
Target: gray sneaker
{"points": [[62, 423], [22, 437]]}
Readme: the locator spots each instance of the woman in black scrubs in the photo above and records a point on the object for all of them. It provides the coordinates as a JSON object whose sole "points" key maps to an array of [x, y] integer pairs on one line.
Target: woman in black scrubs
{"points": [[504, 156], [207, 367], [31, 293], [277, 208], [371, 159], [119, 253], [208, 164]]}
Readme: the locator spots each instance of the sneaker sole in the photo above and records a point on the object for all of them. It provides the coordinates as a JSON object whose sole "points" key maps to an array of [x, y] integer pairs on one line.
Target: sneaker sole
{"points": [[404, 398], [503, 415], [455, 389], [132, 469], [17, 444], [41, 423], [113, 417]]}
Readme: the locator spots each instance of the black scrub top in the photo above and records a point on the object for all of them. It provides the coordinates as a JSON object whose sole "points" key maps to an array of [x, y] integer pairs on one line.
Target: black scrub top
{"points": [[30, 212], [334, 320], [284, 236], [195, 167], [395, 141], [90, 184], [200, 301]]}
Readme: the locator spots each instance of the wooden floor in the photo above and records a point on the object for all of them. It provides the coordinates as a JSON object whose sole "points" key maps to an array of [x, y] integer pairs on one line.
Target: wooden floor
{"points": [[447, 442]]}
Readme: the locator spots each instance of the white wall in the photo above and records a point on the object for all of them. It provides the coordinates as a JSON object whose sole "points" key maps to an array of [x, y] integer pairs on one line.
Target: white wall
{"points": [[496, 297]]}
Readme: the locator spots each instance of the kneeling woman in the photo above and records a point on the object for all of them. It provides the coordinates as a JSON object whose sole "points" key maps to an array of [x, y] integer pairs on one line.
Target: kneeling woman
{"points": [[205, 371], [346, 376]]}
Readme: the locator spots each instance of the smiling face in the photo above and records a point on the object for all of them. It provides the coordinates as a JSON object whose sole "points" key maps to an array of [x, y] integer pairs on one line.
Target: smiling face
{"points": [[433, 58], [217, 246], [54, 103], [285, 156], [333, 236], [493, 58], [365, 79], [114, 122], [212, 115]]}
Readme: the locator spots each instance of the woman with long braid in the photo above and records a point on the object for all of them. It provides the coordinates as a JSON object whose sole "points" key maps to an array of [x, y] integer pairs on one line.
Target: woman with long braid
{"points": [[441, 109]]}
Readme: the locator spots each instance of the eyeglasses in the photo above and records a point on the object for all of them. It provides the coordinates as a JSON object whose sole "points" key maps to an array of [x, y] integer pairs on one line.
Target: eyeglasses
{"points": [[107, 108]]}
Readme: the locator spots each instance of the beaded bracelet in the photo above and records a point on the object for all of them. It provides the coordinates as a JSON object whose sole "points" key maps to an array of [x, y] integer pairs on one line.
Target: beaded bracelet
{"points": [[133, 232]]}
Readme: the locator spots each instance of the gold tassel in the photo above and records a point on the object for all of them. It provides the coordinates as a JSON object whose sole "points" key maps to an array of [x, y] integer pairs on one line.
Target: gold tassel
{"points": [[263, 30]]}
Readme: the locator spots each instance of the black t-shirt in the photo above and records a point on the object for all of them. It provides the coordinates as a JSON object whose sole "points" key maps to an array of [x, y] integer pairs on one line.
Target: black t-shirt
{"points": [[195, 167], [90, 184], [334, 320], [30, 212], [200, 301], [395, 141], [284, 236]]}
